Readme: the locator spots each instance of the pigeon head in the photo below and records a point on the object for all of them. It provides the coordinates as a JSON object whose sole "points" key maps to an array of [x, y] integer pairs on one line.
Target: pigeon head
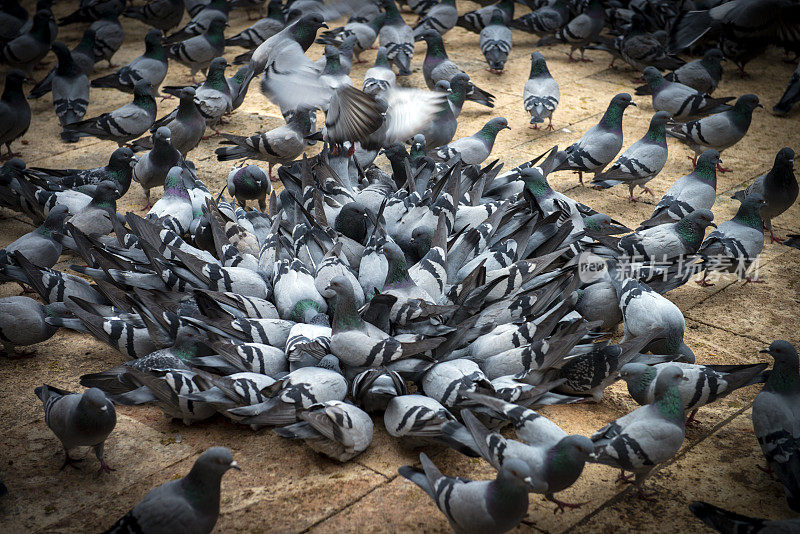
{"points": [[442, 86], [397, 272], [331, 52], [580, 447], [495, 125], [782, 352], [652, 77], [122, 158], [162, 135], [538, 65], [142, 89], [746, 104], [713, 55], [706, 167], [186, 94], [784, 159], [215, 462], [55, 218], [216, 28], [95, 400], [784, 376], [535, 181], [106, 191], [218, 64], [153, 44], [421, 240], [331, 363], [339, 285], [702, 218], [657, 132], [497, 17], [14, 80], [352, 221], [638, 377], [749, 212], [517, 472], [601, 222], [305, 29], [418, 143], [612, 119]]}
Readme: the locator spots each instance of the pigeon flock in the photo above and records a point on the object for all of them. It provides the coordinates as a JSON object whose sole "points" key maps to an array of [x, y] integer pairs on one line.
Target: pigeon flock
{"points": [[394, 274]]}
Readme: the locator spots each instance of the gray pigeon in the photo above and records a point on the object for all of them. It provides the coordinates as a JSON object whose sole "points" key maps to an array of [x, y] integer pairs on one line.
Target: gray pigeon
{"points": [[418, 420], [600, 144], [374, 389], [201, 20], [335, 429], [701, 74], [25, 51], [40, 245], [495, 42], [214, 97], [640, 48], [365, 33], [790, 96], [451, 382], [474, 507], [731, 523], [95, 218], [474, 149], [681, 101], [70, 88], [152, 168], [641, 162], [188, 504], [776, 412], [108, 34], [151, 66], [705, 384], [580, 31], [82, 55], [647, 436], [186, 124], [198, 51], [668, 243], [161, 14], [123, 124], [478, 19], [718, 131], [175, 204], [379, 77], [79, 420], [15, 112], [249, 182], [261, 30], [22, 322], [398, 38], [778, 187], [735, 244], [696, 190], [541, 94], [441, 18], [118, 170], [546, 20]]}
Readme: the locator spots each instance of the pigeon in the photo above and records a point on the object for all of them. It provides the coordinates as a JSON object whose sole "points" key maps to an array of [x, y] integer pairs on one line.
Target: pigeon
{"points": [[641, 162], [186, 124], [123, 124], [474, 149], [160, 14], [775, 412], [108, 34], [22, 321], [279, 145], [546, 20], [681, 101], [477, 20], [599, 145], [496, 42], [119, 170], [398, 38], [214, 98], [25, 51], [541, 94], [705, 384], [79, 420], [696, 190], [152, 168], [419, 420], [729, 522], [374, 389], [70, 88], [285, 50], [668, 242], [365, 33], [95, 217], [646, 437], [261, 30], [175, 204], [441, 18], [82, 55], [15, 112], [151, 66], [249, 183], [442, 128], [335, 429], [91, 11], [734, 246], [718, 131], [39, 246], [639, 48], [580, 31], [778, 187], [188, 504], [379, 77], [201, 20], [702, 75], [437, 67], [13, 19], [476, 506], [197, 52], [790, 96]]}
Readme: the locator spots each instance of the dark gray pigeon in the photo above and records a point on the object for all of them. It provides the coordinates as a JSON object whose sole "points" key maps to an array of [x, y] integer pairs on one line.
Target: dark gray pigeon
{"points": [[718, 131], [398, 38], [151, 66], [641, 162], [681, 101], [478, 19], [476, 506], [546, 20], [186, 124], [22, 321], [495, 42], [441, 18], [161, 14], [95, 218], [40, 245], [249, 182], [197, 52], [109, 35], [696, 190], [262, 29], [541, 94], [188, 504], [640, 48], [647, 436], [778, 187], [70, 88], [79, 420], [152, 168], [790, 96], [701, 74], [580, 31], [82, 55], [776, 412], [123, 124], [727, 522], [25, 51], [15, 112], [599, 145]]}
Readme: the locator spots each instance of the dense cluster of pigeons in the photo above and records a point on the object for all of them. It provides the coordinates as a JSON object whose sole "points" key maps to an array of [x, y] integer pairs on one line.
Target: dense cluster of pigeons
{"points": [[450, 296]]}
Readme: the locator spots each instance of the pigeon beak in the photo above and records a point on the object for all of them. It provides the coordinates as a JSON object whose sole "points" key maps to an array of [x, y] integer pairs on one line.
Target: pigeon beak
{"points": [[759, 105], [323, 25], [507, 127], [234, 465], [714, 225], [764, 351], [632, 103], [104, 409], [528, 481]]}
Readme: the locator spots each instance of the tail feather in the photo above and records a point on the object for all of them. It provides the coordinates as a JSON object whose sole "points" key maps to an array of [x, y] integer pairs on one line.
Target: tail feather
{"points": [[725, 521]]}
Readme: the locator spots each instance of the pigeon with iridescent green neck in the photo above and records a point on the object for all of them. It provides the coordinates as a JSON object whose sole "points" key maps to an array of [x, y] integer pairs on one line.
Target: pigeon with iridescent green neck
{"points": [[459, 85], [188, 504], [472, 506], [198, 51], [474, 149], [646, 437], [441, 18], [118, 170], [641, 162], [496, 41], [214, 98], [668, 242], [123, 124], [718, 131], [540, 94], [701, 74], [599, 145], [249, 182], [175, 205], [295, 293], [95, 218], [696, 190], [411, 300], [776, 419], [23, 322], [39, 246], [152, 168], [152, 66], [735, 244], [397, 37], [704, 385], [681, 101]]}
